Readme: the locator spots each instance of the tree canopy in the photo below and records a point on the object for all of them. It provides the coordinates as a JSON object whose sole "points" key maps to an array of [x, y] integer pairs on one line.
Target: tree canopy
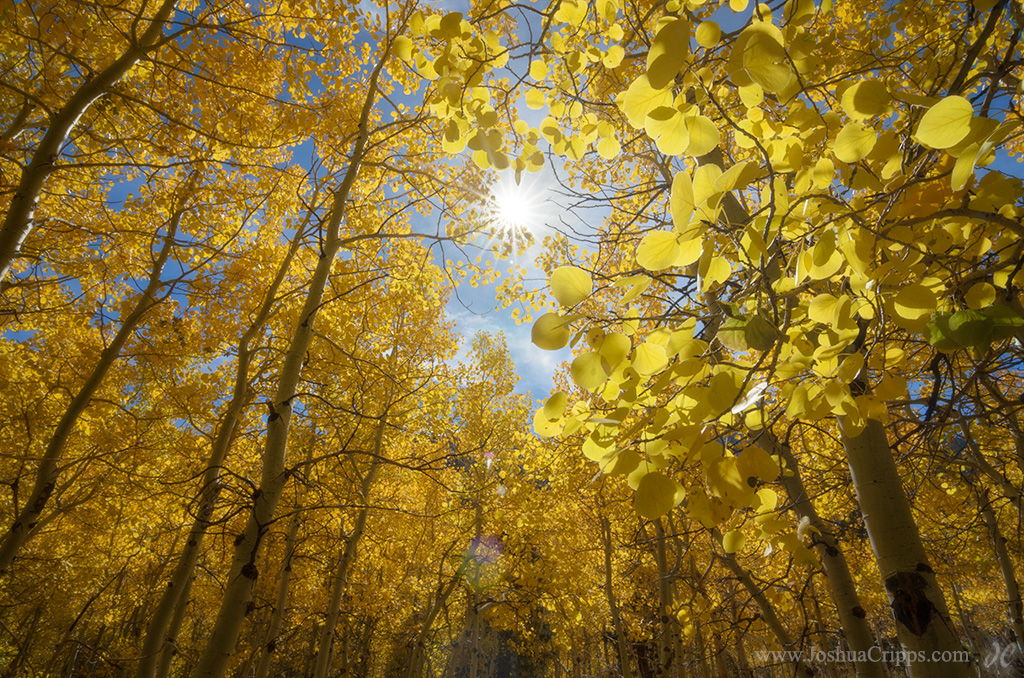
{"points": [[245, 428]]}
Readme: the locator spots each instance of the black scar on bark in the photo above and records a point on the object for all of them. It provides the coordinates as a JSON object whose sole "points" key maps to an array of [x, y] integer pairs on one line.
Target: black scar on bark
{"points": [[859, 612], [249, 571], [910, 603]]}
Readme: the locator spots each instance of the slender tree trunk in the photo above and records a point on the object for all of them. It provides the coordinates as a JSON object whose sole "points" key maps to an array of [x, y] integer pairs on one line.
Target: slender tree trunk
{"points": [[1006, 488], [667, 657], [48, 472], [841, 586], [970, 630], [266, 652], [416, 658], [18, 222], [830, 668], [1013, 598], [922, 617], [625, 665], [170, 645], [242, 576], [158, 646], [345, 559], [768, 614], [702, 656]]}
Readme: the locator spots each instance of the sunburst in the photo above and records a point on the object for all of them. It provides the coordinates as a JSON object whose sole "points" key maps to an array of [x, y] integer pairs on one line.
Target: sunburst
{"points": [[516, 207]]}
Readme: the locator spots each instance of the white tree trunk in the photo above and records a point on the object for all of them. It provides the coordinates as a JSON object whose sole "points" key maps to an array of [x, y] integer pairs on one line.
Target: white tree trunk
{"points": [[842, 588], [213, 662], [1013, 599], [345, 559], [48, 472], [923, 625], [18, 222], [163, 627]]}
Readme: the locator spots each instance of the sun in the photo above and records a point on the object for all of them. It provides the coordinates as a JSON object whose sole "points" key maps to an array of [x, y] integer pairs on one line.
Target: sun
{"points": [[515, 206]]}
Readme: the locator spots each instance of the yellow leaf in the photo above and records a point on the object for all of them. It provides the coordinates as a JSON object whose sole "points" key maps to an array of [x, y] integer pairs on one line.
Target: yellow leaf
{"points": [[550, 332], [981, 295], [668, 127], [822, 309], [535, 98], [621, 462], [865, 99], [668, 53], [946, 123], [658, 250], [823, 173], [733, 541], [656, 494], [703, 135], [613, 57], [538, 70], [759, 52], [614, 348], [854, 142], [718, 271], [755, 462], [544, 427], [570, 285], [587, 371], [554, 408], [914, 302], [640, 99], [682, 200], [690, 251], [402, 47], [708, 34], [649, 359], [608, 147]]}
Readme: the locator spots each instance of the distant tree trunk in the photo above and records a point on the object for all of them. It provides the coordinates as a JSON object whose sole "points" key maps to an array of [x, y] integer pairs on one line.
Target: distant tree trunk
{"points": [[1013, 598], [625, 665], [768, 614], [922, 618], [48, 472], [830, 667], [702, 654], [159, 644], [670, 637], [242, 576], [970, 630], [345, 559], [416, 657], [266, 650], [841, 586], [24, 640]]}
